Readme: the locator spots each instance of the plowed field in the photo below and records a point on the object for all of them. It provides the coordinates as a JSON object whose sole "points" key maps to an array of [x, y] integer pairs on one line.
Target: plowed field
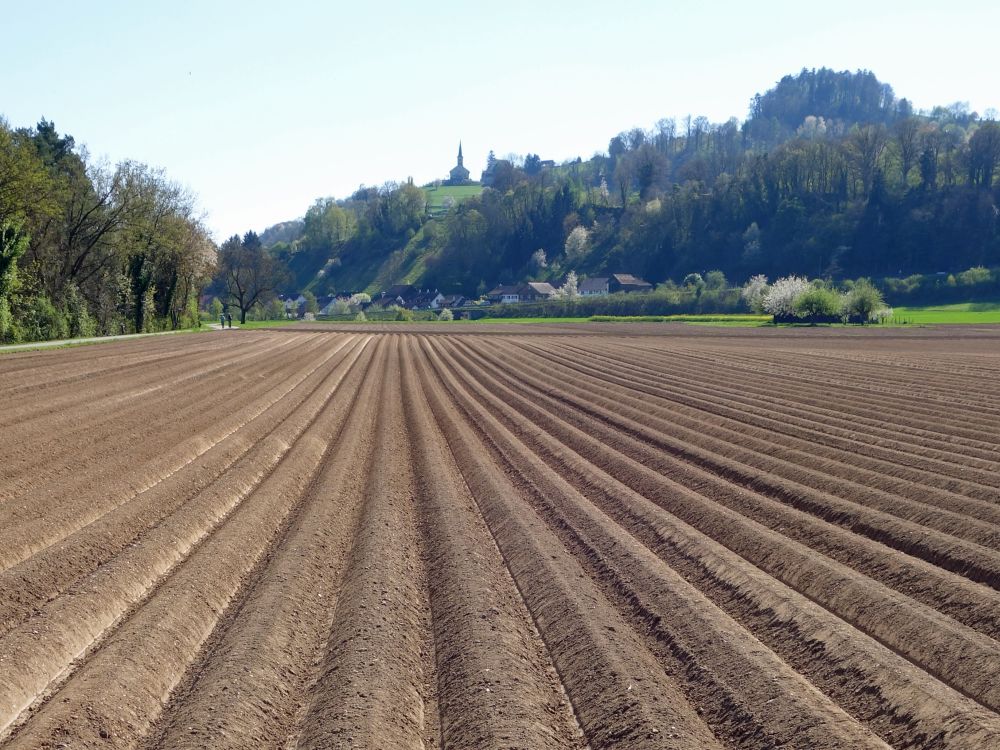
{"points": [[508, 537]]}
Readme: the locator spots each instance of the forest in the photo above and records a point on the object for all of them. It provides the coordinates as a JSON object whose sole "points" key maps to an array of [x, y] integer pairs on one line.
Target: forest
{"points": [[89, 248], [831, 175]]}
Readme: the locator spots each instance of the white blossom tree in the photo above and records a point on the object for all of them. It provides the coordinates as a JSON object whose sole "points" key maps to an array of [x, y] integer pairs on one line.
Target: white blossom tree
{"points": [[570, 288], [361, 298], [754, 291], [780, 298], [577, 244], [539, 262]]}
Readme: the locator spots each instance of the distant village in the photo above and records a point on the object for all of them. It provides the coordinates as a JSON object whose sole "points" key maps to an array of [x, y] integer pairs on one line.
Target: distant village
{"points": [[410, 297]]}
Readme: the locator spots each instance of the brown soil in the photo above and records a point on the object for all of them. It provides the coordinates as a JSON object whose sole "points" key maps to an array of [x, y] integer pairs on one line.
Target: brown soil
{"points": [[502, 536]]}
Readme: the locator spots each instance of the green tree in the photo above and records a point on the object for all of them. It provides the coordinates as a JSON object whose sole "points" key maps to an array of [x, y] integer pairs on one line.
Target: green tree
{"points": [[716, 280], [817, 304], [863, 301], [312, 306]]}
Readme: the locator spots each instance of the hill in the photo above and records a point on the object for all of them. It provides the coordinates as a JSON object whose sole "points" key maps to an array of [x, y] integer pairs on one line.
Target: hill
{"points": [[829, 175]]}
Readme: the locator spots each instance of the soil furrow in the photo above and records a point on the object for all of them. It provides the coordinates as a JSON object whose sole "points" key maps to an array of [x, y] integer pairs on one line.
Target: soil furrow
{"points": [[41, 577], [620, 694], [370, 689], [497, 687], [973, 561], [184, 574], [254, 675], [928, 639]]}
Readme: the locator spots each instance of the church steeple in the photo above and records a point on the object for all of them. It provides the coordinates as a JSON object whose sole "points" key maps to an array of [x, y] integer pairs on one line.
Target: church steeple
{"points": [[460, 154]]}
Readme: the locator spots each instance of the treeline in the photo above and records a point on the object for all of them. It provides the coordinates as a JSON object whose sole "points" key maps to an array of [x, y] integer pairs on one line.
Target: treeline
{"points": [[88, 248], [830, 176]]}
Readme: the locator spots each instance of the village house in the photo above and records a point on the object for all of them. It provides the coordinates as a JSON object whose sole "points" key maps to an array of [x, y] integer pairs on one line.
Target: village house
{"points": [[426, 300], [537, 291], [626, 282], [451, 301], [596, 286], [504, 294], [531, 291], [398, 294]]}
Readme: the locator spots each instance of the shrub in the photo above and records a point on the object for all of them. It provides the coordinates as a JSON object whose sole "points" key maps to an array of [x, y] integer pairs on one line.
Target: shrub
{"points": [[403, 314], [9, 333], [446, 315], [78, 318], [882, 315], [360, 317], [43, 322]]}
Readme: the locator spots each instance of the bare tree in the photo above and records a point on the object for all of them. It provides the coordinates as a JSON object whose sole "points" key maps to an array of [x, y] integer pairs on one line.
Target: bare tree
{"points": [[250, 273]]}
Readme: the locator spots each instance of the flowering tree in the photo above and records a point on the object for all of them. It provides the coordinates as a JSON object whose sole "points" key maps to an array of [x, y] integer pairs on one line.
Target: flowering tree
{"points": [[754, 292], [446, 315], [577, 244], [570, 288], [780, 298]]}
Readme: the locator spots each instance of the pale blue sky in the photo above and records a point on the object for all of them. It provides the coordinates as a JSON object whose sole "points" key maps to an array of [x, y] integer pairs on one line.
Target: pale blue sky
{"points": [[260, 107]]}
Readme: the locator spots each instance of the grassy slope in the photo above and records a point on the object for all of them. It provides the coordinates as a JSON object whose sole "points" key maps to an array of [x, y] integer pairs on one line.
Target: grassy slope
{"points": [[436, 196]]}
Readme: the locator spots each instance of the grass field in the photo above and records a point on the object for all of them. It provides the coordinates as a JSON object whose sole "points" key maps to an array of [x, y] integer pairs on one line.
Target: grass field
{"points": [[966, 312], [436, 195]]}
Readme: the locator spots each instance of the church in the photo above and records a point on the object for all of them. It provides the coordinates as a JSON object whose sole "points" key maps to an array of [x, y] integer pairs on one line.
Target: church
{"points": [[459, 175]]}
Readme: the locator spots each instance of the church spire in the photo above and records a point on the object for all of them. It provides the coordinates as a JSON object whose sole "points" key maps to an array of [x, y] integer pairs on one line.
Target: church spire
{"points": [[460, 154]]}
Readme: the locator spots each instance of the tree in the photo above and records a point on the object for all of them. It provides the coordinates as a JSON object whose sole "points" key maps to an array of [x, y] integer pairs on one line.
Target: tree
{"points": [[694, 281], [780, 298], [312, 306], [570, 288], [276, 309], [215, 309], [863, 301], [817, 304], [538, 262], [754, 292], [446, 315], [984, 154], [577, 244], [13, 244], [907, 133], [248, 271], [716, 280]]}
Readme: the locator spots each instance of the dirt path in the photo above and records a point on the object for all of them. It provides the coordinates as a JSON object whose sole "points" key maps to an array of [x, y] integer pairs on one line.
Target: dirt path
{"points": [[499, 537]]}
